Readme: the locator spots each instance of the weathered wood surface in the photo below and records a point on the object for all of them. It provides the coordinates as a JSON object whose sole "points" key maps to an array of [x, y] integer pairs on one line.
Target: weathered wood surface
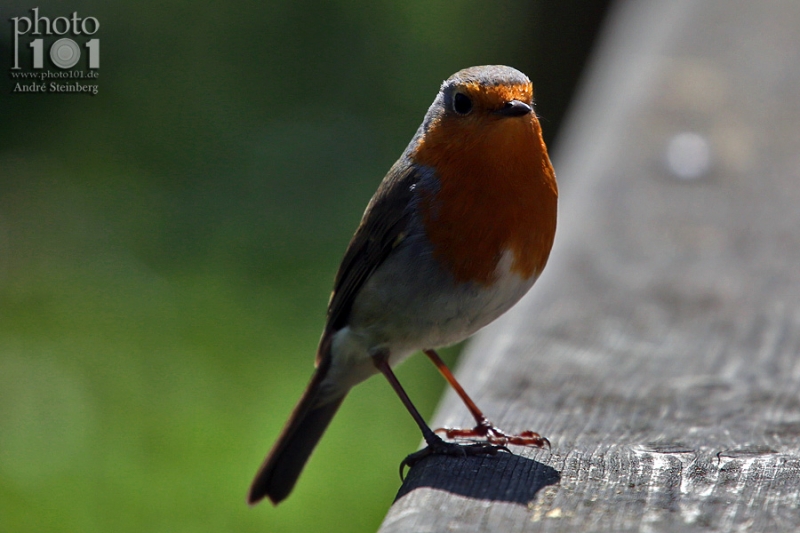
{"points": [[660, 352]]}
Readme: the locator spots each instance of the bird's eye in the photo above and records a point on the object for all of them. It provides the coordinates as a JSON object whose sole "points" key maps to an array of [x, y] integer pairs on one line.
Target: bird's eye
{"points": [[462, 104]]}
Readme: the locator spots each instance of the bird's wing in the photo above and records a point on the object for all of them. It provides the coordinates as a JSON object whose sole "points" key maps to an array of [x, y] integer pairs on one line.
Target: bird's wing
{"points": [[381, 229]]}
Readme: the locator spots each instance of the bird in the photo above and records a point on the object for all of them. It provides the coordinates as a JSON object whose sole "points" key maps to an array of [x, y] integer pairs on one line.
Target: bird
{"points": [[457, 232]]}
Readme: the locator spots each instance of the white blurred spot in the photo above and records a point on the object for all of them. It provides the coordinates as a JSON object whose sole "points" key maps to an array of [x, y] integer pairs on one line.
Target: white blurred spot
{"points": [[688, 156]]}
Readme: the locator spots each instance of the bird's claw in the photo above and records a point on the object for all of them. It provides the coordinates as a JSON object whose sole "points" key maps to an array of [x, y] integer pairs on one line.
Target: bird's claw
{"points": [[494, 435], [440, 447]]}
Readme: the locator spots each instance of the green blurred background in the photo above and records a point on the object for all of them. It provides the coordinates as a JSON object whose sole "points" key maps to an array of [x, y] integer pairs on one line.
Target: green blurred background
{"points": [[167, 248]]}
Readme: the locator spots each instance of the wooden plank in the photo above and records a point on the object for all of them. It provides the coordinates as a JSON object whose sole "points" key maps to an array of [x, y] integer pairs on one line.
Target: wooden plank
{"points": [[660, 350]]}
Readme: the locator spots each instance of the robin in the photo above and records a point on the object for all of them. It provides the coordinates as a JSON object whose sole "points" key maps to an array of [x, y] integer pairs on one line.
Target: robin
{"points": [[457, 232]]}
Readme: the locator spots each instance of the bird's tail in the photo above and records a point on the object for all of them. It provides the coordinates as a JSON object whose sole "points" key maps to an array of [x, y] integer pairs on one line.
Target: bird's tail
{"points": [[280, 470]]}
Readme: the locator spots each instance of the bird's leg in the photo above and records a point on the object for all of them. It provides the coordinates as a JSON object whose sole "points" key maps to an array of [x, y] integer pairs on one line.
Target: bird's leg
{"points": [[435, 444], [484, 428]]}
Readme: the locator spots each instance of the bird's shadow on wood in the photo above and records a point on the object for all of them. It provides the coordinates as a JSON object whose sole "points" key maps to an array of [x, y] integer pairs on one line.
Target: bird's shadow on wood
{"points": [[504, 477]]}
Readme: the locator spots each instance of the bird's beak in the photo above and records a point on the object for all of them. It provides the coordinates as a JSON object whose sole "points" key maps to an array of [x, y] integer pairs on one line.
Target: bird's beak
{"points": [[514, 108]]}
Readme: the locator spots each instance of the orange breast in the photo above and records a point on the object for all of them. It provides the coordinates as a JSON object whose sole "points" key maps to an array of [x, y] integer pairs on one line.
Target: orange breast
{"points": [[497, 192]]}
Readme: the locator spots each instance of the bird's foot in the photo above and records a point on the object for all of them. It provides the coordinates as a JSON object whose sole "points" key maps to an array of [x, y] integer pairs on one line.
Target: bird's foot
{"points": [[436, 446], [493, 435]]}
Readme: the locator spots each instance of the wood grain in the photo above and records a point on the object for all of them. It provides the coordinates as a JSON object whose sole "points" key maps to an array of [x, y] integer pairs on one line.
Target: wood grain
{"points": [[660, 351]]}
